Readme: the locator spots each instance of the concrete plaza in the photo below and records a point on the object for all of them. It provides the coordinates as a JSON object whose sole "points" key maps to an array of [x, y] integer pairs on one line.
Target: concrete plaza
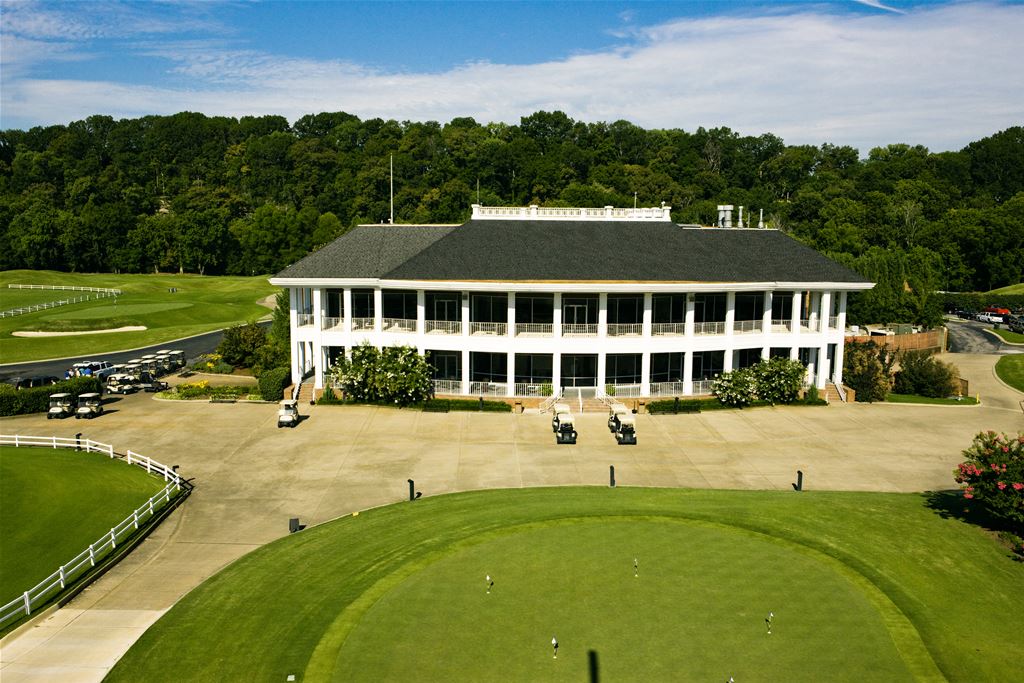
{"points": [[251, 477]]}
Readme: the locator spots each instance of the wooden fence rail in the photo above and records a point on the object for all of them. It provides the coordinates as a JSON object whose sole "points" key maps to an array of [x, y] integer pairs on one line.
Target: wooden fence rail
{"points": [[100, 292]]}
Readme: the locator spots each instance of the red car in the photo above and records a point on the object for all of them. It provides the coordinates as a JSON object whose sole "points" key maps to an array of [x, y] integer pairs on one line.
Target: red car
{"points": [[997, 310]]}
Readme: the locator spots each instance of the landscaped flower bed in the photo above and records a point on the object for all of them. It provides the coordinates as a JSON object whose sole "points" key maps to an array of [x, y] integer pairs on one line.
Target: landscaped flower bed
{"points": [[202, 390]]}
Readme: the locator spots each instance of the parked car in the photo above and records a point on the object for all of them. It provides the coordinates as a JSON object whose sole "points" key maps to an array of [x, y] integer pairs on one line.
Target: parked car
{"points": [[91, 368], [997, 310], [89, 406], [61, 406], [990, 318]]}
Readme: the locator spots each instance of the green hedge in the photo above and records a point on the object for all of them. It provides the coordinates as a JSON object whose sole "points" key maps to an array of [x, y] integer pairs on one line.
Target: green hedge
{"points": [[273, 382], [667, 406], [975, 301], [445, 404], [37, 400]]}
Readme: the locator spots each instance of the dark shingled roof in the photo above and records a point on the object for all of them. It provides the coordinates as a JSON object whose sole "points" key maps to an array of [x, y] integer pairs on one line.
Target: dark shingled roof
{"points": [[537, 250]]}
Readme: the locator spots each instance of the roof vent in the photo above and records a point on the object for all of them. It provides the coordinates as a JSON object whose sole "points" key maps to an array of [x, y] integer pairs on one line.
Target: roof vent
{"points": [[725, 215]]}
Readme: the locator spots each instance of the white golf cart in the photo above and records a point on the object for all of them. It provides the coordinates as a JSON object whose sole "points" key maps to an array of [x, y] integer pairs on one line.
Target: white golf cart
{"points": [[615, 413], [121, 383], [626, 432], [566, 432], [288, 413], [61, 406], [558, 409], [89, 406]]}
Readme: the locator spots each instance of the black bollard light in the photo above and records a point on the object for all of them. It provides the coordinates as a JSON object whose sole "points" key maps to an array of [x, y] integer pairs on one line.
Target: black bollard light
{"points": [[293, 525], [412, 490], [78, 441], [611, 475], [675, 406], [799, 485]]}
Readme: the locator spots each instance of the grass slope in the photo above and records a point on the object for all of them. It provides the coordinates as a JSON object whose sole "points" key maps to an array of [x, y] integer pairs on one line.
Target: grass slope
{"points": [[1010, 369], [54, 503], [199, 304], [1011, 289], [869, 587], [1007, 336]]}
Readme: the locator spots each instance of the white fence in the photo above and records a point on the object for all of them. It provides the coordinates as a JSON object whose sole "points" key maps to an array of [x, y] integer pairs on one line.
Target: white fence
{"points": [[99, 549], [101, 293]]}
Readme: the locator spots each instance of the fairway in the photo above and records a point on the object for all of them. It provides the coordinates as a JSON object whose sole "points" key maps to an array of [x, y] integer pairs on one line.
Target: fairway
{"points": [[54, 503], [168, 306], [862, 587]]}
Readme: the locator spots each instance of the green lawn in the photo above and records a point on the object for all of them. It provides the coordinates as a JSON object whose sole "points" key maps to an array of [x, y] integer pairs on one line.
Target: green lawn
{"points": [[1010, 369], [863, 587], [913, 398], [1012, 289], [54, 503], [1012, 337], [199, 304]]}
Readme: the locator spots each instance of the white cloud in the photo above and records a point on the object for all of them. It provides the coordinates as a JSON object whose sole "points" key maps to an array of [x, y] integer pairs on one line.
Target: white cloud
{"points": [[939, 76]]}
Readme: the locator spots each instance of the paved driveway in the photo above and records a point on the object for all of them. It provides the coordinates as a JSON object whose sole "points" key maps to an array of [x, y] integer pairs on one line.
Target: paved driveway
{"points": [[251, 477]]}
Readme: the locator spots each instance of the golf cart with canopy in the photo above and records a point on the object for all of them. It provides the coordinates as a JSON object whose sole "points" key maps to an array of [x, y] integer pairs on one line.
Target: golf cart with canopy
{"points": [[121, 383], [288, 413], [61, 406], [616, 411], [147, 381], [89, 406], [626, 432], [558, 409], [566, 432]]}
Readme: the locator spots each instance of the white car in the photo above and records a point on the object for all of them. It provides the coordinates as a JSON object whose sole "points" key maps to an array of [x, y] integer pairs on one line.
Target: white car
{"points": [[989, 318]]}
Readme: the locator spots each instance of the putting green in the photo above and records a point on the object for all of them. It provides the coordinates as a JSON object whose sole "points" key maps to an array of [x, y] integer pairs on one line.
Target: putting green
{"points": [[112, 311]]}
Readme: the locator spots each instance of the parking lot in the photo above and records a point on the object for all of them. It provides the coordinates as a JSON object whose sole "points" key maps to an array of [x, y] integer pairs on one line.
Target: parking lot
{"points": [[251, 477]]}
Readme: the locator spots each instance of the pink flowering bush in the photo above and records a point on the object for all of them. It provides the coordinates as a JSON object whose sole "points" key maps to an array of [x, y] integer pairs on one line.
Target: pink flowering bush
{"points": [[992, 475]]}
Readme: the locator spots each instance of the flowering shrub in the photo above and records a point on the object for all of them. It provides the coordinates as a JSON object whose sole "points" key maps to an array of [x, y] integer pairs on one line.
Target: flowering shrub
{"points": [[776, 380], [396, 374], [736, 388], [992, 476]]}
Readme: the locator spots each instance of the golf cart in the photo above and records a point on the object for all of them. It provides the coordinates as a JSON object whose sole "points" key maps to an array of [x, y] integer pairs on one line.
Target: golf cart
{"points": [[89, 406], [147, 381], [557, 410], [163, 363], [288, 413], [61, 406], [616, 412], [121, 383], [626, 433], [177, 358], [565, 433]]}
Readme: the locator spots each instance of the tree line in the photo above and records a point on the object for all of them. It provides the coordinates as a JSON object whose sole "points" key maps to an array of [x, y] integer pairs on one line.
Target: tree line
{"points": [[216, 195]]}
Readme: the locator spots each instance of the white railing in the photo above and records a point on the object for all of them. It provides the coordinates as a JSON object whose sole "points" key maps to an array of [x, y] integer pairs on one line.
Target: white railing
{"points": [[447, 386], [625, 329], [550, 401], [714, 327], [531, 388], [533, 329], [667, 389], [400, 325], [659, 329], [21, 310], [359, 324], [442, 326], [579, 330], [782, 325], [840, 390], [87, 559], [496, 329], [488, 388], [747, 325], [833, 322], [304, 319], [702, 387], [623, 390], [332, 323], [535, 212], [809, 325]]}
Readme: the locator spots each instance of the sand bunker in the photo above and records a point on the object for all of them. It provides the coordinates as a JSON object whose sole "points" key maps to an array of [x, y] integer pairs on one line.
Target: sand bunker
{"points": [[30, 333]]}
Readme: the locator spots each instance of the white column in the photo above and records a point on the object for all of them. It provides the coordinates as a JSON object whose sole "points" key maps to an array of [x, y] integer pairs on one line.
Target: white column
{"points": [[648, 314], [296, 353], [556, 330], [465, 314], [814, 302], [795, 315], [465, 371], [841, 320], [730, 312], [766, 325], [346, 304], [690, 313], [378, 309], [602, 371], [688, 373], [556, 361], [645, 363], [421, 313], [318, 313], [824, 308], [511, 372], [511, 315], [602, 323], [317, 356], [293, 308], [841, 342]]}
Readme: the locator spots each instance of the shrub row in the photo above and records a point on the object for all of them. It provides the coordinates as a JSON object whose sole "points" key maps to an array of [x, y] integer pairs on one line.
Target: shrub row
{"points": [[37, 400], [668, 406], [203, 389], [272, 383], [443, 404]]}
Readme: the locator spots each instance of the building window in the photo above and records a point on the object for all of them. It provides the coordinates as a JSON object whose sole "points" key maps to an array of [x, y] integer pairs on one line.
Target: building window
{"points": [[535, 308], [709, 308], [778, 352], [625, 309], [579, 370], [362, 303], [398, 304], [488, 367], [443, 306], [749, 306], [782, 306], [667, 367], [579, 309], [708, 364], [744, 358], [534, 368], [445, 364], [623, 368], [488, 308], [335, 303], [668, 308]]}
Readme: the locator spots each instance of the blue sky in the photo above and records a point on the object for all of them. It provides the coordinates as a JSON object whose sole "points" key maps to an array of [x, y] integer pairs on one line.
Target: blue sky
{"points": [[861, 73]]}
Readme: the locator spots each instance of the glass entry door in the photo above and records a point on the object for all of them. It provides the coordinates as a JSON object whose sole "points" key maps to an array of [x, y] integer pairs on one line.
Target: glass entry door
{"points": [[446, 309], [574, 314], [579, 370]]}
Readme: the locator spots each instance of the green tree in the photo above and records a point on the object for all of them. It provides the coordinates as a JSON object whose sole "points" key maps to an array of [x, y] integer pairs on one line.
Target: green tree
{"points": [[241, 344], [865, 371]]}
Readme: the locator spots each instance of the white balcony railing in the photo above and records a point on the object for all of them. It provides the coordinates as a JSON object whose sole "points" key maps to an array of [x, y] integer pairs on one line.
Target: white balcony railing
{"points": [[488, 388], [362, 324], [702, 387], [447, 386], [443, 326], [745, 326], [332, 323], [623, 390], [833, 322], [304, 319], [533, 329], [809, 325], [625, 329], [715, 327], [492, 329], [660, 329], [579, 330], [782, 325], [666, 389], [532, 388], [399, 325]]}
